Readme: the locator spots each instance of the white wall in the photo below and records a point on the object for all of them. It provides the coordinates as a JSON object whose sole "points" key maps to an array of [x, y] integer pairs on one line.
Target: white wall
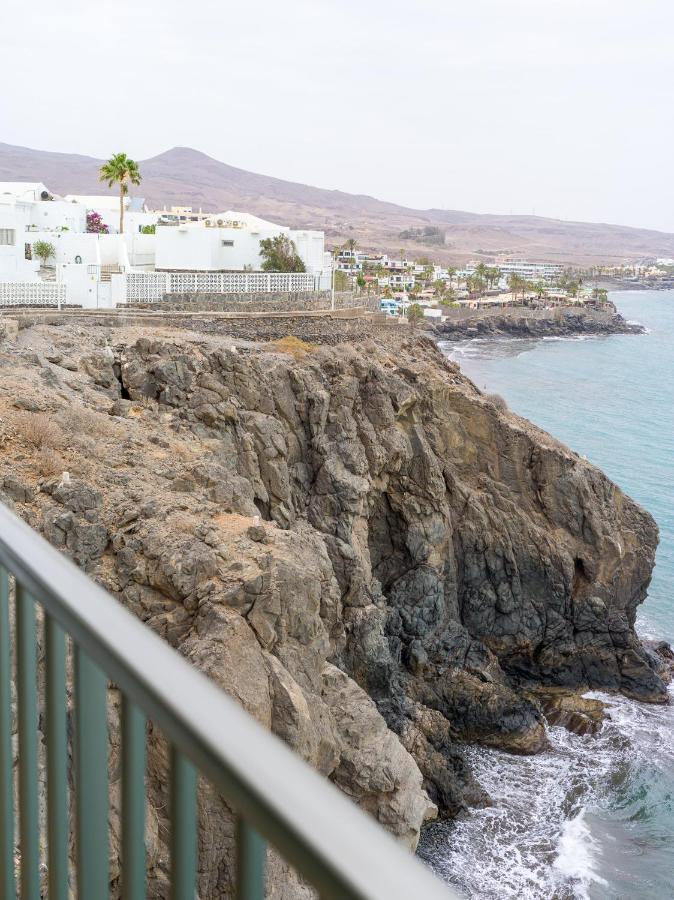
{"points": [[113, 250], [68, 245], [84, 289], [141, 249], [81, 286], [181, 247], [196, 248], [92, 249], [311, 247], [50, 214]]}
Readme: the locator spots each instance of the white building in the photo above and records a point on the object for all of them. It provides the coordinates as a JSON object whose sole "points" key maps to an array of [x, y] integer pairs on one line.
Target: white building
{"points": [[14, 266], [86, 262], [394, 264], [529, 270], [401, 280], [230, 242]]}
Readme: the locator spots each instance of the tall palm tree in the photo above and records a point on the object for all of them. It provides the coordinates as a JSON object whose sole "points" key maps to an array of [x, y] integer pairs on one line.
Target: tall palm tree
{"points": [[121, 170]]}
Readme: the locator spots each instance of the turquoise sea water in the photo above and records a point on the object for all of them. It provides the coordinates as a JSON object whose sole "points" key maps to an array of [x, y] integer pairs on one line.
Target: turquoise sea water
{"points": [[593, 817]]}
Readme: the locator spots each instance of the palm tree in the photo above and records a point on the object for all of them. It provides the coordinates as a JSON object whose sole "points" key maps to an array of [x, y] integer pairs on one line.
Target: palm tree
{"points": [[121, 170], [481, 271], [516, 284]]}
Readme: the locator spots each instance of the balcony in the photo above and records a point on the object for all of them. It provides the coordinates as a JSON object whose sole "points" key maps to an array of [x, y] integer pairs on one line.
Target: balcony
{"points": [[278, 799]]}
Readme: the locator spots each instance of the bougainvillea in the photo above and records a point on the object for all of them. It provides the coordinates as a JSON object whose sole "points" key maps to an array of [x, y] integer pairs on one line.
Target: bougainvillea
{"points": [[95, 224]]}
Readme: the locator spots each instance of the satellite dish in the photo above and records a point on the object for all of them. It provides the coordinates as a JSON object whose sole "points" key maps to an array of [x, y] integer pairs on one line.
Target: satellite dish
{"points": [[44, 195], [220, 222]]}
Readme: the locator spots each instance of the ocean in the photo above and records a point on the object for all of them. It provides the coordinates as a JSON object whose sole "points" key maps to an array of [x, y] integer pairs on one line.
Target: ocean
{"points": [[593, 818]]}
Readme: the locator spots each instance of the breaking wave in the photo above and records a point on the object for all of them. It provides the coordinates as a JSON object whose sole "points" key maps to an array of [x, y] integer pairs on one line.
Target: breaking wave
{"points": [[557, 826]]}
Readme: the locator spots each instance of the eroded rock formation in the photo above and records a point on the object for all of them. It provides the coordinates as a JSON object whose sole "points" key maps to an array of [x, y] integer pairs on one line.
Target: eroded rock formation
{"points": [[377, 562]]}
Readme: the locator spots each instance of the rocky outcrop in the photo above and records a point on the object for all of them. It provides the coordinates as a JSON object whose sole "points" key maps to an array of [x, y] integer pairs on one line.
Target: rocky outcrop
{"points": [[376, 561], [561, 322]]}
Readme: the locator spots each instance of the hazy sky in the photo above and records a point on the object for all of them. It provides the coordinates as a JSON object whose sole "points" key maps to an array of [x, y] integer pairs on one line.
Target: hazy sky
{"points": [[562, 107]]}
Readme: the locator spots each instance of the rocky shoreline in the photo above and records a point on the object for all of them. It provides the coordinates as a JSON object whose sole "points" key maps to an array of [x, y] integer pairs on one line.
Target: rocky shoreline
{"points": [[560, 322], [375, 559]]}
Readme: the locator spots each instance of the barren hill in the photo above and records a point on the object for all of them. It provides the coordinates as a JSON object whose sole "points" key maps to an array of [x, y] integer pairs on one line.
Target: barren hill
{"points": [[186, 176]]}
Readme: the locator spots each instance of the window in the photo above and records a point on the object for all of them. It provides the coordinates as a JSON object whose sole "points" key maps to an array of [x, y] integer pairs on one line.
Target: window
{"points": [[228, 243], [6, 237]]}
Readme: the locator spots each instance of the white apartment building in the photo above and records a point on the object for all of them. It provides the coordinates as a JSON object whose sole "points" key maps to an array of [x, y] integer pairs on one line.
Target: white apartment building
{"points": [[529, 270]]}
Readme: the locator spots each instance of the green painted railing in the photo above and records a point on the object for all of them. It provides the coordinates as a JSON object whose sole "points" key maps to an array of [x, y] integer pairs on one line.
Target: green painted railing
{"points": [[278, 798]]}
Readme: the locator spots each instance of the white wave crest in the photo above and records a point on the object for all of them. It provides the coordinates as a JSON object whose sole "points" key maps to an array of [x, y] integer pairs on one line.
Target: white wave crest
{"points": [[578, 855]]}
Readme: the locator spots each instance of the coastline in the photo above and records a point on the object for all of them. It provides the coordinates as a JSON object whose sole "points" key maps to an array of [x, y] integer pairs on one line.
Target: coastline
{"points": [[523, 322], [435, 634], [600, 821]]}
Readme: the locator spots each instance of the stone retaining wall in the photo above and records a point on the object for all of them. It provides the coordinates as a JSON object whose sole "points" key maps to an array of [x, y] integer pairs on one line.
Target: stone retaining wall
{"points": [[249, 303]]}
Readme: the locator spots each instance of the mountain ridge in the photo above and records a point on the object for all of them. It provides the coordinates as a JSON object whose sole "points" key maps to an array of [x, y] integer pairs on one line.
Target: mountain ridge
{"points": [[185, 176]]}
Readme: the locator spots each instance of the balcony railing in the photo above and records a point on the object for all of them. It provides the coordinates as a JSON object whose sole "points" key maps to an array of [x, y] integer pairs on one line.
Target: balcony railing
{"points": [[277, 797]]}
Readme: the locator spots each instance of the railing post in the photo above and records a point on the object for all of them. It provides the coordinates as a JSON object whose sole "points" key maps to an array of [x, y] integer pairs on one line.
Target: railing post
{"points": [[251, 857], [26, 682], [91, 778], [133, 801], [7, 881], [183, 827], [57, 760]]}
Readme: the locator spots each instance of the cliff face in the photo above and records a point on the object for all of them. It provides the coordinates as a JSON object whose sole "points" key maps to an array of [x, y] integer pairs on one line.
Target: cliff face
{"points": [[371, 557]]}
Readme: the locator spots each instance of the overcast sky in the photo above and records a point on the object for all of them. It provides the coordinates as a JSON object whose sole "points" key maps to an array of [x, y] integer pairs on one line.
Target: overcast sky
{"points": [[559, 107]]}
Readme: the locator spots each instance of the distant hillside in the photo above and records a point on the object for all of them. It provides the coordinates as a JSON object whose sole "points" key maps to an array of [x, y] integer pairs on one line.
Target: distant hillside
{"points": [[185, 176]]}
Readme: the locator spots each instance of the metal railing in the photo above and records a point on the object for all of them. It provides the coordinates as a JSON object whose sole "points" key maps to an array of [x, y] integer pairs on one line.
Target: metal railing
{"points": [[277, 797]]}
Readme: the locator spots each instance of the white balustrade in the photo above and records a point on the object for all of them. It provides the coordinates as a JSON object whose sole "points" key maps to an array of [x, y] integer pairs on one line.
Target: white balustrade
{"points": [[145, 287], [32, 293], [149, 287]]}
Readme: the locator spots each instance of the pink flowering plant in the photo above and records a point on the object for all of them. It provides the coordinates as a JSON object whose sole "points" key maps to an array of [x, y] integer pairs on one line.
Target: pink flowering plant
{"points": [[95, 224]]}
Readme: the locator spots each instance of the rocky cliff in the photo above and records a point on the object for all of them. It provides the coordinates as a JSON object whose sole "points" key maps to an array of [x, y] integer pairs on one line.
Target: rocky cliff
{"points": [[536, 324], [378, 562]]}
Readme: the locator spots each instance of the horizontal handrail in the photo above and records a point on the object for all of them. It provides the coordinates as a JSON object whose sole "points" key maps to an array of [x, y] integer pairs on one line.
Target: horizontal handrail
{"points": [[322, 834]]}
